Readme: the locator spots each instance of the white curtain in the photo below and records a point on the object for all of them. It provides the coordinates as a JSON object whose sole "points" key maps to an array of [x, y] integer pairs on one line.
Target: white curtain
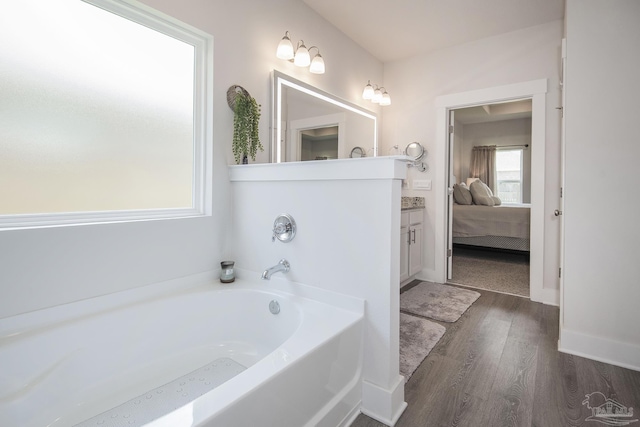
{"points": [[483, 165]]}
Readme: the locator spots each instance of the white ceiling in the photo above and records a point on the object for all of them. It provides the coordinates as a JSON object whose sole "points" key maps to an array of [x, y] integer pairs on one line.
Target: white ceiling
{"points": [[494, 112], [398, 29]]}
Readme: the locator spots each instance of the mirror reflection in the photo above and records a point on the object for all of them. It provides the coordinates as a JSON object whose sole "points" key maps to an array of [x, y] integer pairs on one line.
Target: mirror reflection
{"points": [[357, 152], [310, 124]]}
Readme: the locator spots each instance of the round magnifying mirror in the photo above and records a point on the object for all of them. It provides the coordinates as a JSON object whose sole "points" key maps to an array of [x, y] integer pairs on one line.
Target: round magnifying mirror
{"points": [[415, 151], [357, 152]]}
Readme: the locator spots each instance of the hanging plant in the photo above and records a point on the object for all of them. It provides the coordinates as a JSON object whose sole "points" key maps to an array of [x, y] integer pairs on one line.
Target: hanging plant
{"points": [[246, 139]]}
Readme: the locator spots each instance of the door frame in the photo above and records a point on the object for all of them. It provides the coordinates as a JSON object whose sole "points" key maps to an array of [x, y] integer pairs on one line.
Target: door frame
{"points": [[535, 90], [297, 126]]}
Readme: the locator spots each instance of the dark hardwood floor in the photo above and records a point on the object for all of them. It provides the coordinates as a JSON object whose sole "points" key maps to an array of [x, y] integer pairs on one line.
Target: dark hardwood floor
{"points": [[498, 365]]}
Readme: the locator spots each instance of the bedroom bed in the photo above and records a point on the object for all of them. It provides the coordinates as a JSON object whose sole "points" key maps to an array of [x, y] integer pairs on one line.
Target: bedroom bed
{"points": [[501, 227]]}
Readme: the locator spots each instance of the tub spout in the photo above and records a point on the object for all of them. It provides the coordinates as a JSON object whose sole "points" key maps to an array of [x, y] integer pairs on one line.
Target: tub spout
{"points": [[283, 266]]}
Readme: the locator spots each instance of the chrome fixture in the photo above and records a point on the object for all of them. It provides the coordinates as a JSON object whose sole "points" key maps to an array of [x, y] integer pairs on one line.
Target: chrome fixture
{"points": [[357, 152], [284, 228], [283, 266], [301, 56], [377, 95], [274, 307], [418, 153]]}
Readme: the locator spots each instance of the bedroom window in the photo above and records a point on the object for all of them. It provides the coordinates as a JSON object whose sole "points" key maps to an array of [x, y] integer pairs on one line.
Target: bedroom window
{"points": [[509, 175], [106, 114]]}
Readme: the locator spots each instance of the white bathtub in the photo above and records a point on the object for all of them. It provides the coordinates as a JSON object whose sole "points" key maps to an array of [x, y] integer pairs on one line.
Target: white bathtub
{"points": [[125, 361]]}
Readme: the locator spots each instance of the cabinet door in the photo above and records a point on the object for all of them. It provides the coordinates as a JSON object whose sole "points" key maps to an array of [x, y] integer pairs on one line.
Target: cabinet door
{"points": [[404, 253], [415, 249]]}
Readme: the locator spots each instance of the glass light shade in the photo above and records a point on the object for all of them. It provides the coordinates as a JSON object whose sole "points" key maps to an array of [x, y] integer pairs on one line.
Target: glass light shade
{"points": [[377, 96], [317, 65], [285, 48], [367, 93], [302, 58], [386, 99]]}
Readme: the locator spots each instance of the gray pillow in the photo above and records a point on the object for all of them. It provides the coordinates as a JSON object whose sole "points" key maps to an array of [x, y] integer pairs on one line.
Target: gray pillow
{"points": [[481, 194], [462, 195]]}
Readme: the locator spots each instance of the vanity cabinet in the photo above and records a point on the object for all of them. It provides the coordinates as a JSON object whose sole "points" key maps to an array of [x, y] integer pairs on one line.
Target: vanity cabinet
{"points": [[410, 243]]}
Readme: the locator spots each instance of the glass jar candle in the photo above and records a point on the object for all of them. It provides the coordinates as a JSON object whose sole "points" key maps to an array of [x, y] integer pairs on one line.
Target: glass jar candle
{"points": [[227, 274]]}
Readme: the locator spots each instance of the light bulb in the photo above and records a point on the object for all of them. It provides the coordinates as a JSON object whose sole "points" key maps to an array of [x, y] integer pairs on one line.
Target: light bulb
{"points": [[377, 96], [386, 99], [302, 58], [285, 48], [367, 93], [317, 65]]}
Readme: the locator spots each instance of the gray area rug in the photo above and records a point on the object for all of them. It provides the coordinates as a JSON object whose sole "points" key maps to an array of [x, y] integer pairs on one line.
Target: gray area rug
{"points": [[436, 301], [507, 276], [417, 338]]}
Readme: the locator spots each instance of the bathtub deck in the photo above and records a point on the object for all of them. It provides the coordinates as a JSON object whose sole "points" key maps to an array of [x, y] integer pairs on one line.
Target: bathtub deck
{"points": [[162, 400]]}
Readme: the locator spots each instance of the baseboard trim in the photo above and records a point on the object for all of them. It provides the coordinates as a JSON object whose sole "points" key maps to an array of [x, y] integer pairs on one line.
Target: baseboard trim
{"points": [[384, 405], [545, 296], [600, 349]]}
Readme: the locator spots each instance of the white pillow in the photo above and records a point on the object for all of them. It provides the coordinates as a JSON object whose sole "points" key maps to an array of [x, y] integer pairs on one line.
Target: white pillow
{"points": [[481, 194], [462, 195]]}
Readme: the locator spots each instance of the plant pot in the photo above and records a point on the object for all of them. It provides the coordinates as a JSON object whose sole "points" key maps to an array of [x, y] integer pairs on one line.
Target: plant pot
{"points": [[245, 160]]}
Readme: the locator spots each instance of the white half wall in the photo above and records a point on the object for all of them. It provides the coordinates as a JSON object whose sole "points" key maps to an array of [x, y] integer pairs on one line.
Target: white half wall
{"points": [[601, 288], [348, 241]]}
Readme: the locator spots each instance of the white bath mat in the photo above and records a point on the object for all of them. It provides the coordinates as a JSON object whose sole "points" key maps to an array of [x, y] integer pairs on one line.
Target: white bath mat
{"points": [[162, 400]]}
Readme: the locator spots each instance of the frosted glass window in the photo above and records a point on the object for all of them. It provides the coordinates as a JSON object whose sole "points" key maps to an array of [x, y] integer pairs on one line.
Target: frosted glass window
{"points": [[97, 112]]}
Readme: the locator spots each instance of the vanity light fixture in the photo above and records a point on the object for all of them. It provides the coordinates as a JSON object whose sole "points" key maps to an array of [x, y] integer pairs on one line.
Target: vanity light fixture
{"points": [[301, 56], [317, 63], [367, 93], [285, 48], [386, 99], [377, 95]]}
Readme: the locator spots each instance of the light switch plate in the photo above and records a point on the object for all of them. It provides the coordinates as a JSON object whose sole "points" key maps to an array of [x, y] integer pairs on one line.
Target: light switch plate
{"points": [[422, 184]]}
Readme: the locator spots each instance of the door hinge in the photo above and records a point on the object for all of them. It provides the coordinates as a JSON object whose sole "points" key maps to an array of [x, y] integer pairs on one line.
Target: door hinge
{"points": [[449, 252], [450, 128], [560, 273], [561, 189]]}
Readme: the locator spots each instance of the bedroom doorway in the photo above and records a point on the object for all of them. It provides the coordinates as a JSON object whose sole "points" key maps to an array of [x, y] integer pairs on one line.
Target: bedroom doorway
{"points": [[490, 148], [536, 91]]}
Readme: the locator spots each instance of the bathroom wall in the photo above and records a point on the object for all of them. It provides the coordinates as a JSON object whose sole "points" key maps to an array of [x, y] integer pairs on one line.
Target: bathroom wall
{"points": [[599, 317], [520, 56], [51, 266]]}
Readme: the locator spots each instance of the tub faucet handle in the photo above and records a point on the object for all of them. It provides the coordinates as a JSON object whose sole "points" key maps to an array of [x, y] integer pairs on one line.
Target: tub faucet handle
{"points": [[279, 229], [284, 228]]}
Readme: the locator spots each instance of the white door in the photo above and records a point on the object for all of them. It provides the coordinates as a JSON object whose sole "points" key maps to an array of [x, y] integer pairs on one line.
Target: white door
{"points": [[451, 181], [560, 210]]}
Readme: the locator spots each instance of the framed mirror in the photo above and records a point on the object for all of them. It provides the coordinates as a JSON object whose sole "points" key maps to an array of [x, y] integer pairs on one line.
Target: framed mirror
{"points": [[310, 124]]}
